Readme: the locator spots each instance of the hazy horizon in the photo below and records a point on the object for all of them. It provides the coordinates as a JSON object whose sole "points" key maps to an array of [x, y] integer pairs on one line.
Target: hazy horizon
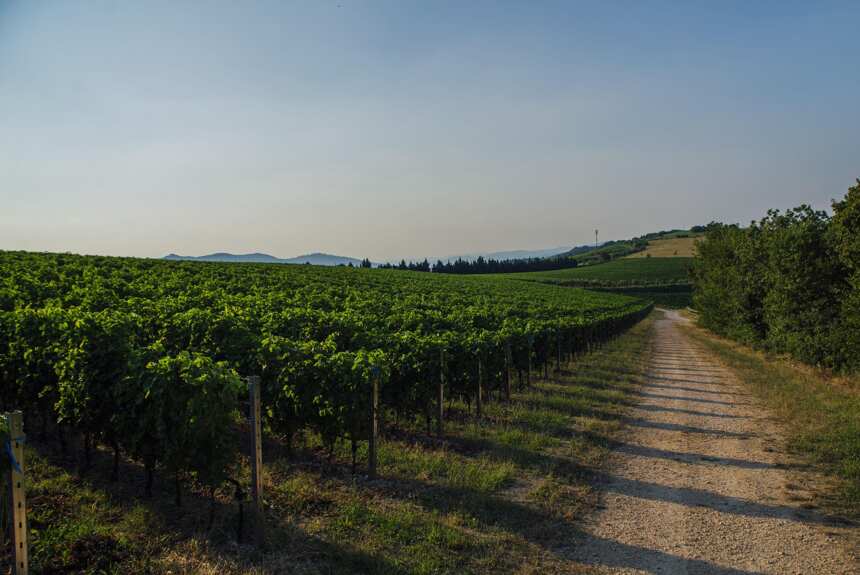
{"points": [[395, 130], [545, 252]]}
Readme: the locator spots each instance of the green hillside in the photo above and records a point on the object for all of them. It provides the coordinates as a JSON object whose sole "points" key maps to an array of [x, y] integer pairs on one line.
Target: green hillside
{"points": [[663, 281], [611, 250], [638, 271]]}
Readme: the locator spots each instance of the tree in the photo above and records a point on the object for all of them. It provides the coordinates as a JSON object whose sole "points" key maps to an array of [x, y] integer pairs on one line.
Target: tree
{"points": [[727, 276], [789, 282], [804, 280], [846, 240]]}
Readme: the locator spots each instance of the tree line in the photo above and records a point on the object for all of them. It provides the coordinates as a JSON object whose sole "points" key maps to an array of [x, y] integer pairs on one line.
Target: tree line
{"points": [[789, 283], [482, 265]]}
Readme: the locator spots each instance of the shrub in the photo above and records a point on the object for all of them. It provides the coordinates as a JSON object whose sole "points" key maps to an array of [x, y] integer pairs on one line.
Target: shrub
{"points": [[790, 282]]}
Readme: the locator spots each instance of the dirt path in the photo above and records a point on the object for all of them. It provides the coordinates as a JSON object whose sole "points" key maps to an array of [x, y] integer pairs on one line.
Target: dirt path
{"points": [[699, 484]]}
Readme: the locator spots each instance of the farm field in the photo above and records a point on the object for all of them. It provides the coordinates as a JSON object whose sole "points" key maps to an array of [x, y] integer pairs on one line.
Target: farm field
{"points": [[495, 495], [663, 281], [677, 247], [623, 270], [672, 296], [145, 360]]}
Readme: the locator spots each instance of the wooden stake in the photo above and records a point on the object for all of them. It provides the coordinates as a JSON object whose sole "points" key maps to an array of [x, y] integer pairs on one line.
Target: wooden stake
{"points": [[529, 370], [480, 397], [440, 397], [15, 422], [508, 372], [558, 354], [374, 424], [256, 459]]}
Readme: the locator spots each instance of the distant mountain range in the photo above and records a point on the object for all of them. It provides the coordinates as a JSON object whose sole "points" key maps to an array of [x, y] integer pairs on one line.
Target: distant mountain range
{"points": [[508, 255], [320, 259], [317, 259]]}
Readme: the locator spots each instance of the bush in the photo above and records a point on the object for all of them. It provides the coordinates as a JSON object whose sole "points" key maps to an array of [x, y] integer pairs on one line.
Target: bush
{"points": [[845, 231], [728, 283], [789, 283], [803, 281]]}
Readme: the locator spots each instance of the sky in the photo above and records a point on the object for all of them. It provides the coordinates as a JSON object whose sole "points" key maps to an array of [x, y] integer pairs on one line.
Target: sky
{"points": [[389, 129]]}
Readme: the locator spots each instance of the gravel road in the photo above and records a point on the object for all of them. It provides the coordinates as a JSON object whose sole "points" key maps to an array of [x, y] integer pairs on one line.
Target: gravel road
{"points": [[701, 483]]}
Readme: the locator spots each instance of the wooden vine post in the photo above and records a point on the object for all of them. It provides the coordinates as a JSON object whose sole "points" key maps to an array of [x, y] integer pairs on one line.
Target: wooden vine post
{"points": [[15, 448], [254, 418], [440, 396], [529, 369], [480, 395], [508, 372], [546, 359], [558, 354], [374, 424]]}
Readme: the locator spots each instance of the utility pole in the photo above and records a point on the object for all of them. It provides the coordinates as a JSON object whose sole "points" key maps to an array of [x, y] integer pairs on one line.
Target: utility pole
{"points": [[595, 238]]}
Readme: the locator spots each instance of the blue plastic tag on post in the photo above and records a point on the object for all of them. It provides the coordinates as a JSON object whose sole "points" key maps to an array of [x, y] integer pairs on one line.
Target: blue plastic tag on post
{"points": [[11, 454]]}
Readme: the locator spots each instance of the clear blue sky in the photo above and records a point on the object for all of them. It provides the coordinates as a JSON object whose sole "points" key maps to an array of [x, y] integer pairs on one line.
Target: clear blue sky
{"points": [[405, 129]]}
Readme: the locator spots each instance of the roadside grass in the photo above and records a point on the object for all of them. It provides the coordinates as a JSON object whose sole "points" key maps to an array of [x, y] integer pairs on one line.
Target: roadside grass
{"points": [[492, 496], [821, 412]]}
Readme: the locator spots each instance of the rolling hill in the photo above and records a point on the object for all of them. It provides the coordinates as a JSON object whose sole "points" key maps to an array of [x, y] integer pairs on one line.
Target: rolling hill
{"points": [[677, 247], [629, 271], [662, 280], [660, 244]]}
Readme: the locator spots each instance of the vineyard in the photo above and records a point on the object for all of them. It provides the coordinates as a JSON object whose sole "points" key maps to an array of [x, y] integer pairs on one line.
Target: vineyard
{"points": [[148, 357], [661, 280], [624, 271], [682, 246]]}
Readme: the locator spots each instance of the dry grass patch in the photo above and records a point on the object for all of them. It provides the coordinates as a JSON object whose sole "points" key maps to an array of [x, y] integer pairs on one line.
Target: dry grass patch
{"points": [[669, 248]]}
